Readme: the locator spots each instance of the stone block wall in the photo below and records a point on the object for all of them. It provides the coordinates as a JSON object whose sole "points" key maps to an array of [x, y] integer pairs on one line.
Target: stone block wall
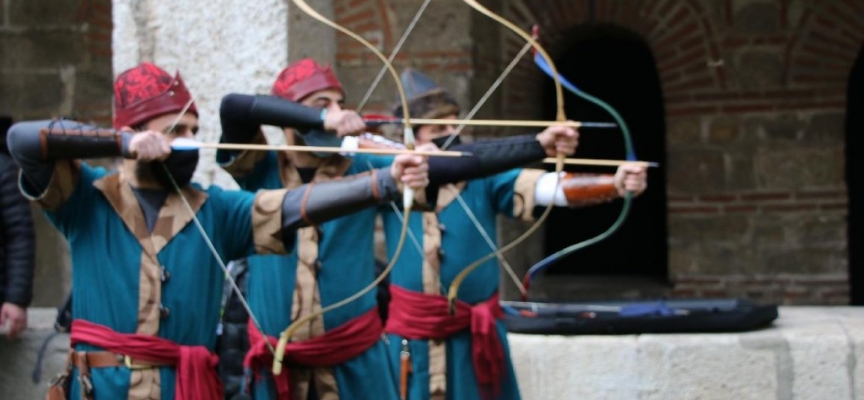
{"points": [[55, 61], [754, 91], [755, 96]]}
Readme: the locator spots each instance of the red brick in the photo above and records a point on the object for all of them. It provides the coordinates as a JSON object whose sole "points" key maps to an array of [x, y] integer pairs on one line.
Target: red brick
{"points": [[745, 108], [691, 110], [675, 37], [363, 15], [716, 96], [694, 210], [740, 209], [685, 293], [827, 53], [674, 198], [829, 194], [719, 198], [695, 55], [789, 94], [699, 83], [807, 61], [834, 207], [845, 17], [790, 207], [696, 279], [838, 105], [831, 41], [766, 196]]}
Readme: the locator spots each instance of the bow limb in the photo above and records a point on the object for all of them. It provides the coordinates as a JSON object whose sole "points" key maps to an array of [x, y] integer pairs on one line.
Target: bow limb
{"points": [[485, 235], [543, 62], [559, 164], [408, 30], [408, 198]]}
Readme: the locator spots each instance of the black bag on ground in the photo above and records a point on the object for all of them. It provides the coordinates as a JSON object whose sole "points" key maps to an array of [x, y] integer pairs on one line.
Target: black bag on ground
{"points": [[634, 317]]}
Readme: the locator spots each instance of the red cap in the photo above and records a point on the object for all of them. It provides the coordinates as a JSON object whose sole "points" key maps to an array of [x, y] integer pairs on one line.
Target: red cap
{"points": [[146, 92], [303, 78]]}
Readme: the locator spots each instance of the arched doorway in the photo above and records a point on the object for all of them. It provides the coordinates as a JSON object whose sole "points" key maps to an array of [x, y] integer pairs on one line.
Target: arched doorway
{"points": [[854, 176], [617, 66]]}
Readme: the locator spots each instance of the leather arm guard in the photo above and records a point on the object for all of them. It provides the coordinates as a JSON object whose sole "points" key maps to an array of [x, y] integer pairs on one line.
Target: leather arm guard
{"points": [[489, 157], [315, 203], [587, 189]]}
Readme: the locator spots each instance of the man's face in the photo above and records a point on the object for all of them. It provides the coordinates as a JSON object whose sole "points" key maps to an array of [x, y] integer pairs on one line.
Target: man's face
{"points": [[328, 98], [186, 127], [427, 133]]}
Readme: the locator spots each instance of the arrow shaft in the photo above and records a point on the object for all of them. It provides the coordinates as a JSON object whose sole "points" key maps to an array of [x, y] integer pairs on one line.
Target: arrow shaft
{"points": [[321, 149], [491, 122], [599, 162]]}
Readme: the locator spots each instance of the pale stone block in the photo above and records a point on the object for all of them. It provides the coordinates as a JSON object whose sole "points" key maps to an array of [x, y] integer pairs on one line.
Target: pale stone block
{"points": [[584, 367], [702, 366]]}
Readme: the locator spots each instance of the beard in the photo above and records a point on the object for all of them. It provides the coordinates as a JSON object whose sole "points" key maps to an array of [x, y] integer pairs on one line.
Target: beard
{"points": [[178, 167]]}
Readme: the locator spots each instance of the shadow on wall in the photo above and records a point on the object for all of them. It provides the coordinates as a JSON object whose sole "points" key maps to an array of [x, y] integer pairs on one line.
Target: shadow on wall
{"points": [[617, 66], [854, 176]]}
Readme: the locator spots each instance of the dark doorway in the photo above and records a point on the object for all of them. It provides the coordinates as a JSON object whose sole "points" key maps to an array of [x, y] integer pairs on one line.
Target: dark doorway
{"points": [[617, 66], [854, 175]]}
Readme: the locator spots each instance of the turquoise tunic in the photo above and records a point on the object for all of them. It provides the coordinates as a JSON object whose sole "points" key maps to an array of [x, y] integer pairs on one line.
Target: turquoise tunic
{"points": [[347, 265], [106, 265], [462, 245]]}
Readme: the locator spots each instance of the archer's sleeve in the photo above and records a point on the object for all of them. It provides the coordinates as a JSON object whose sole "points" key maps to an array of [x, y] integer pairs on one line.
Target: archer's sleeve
{"points": [[278, 214], [514, 192], [243, 115], [47, 152], [487, 157]]}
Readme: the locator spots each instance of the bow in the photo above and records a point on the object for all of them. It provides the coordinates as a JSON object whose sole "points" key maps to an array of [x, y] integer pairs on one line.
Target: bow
{"points": [[544, 63], [408, 194], [559, 164]]}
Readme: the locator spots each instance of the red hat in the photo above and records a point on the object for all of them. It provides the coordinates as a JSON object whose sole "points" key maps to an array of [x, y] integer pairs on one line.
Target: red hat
{"points": [[303, 78], [146, 92]]}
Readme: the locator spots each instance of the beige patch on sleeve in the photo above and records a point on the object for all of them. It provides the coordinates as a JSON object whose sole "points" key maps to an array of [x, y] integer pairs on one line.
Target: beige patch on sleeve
{"points": [[523, 194], [267, 221], [63, 183]]}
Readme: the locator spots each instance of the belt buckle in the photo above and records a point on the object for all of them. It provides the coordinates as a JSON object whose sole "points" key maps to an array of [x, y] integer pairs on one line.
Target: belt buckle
{"points": [[128, 362]]}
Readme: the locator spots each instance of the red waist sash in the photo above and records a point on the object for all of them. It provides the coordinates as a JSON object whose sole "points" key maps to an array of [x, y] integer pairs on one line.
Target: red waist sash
{"points": [[197, 378], [416, 315], [335, 346]]}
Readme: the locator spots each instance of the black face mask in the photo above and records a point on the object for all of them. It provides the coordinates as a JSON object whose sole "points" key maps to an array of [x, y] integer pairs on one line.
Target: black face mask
{"points": [[441, 141], [181, 164]]}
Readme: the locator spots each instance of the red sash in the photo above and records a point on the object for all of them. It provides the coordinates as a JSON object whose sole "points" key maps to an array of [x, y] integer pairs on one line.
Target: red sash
{"points": [[416, 315], [197, 378], [334, 347]]}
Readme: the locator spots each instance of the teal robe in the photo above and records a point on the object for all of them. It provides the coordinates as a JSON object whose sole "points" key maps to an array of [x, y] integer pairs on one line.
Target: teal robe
{"points": [[461, 245], [345, 265], [109, 263]]}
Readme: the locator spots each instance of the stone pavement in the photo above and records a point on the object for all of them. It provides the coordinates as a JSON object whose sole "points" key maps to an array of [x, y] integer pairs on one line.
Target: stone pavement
{"points": [[810, 353]]}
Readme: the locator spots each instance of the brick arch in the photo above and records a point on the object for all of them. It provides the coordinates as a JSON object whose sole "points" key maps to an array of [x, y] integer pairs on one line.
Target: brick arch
{"points": [[823, 51], [678, 32]]}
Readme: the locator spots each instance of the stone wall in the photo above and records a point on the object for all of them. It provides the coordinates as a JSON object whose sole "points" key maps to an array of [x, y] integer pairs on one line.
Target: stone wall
{"points": [[55, 61], [754, 90], [223, 47], [810, 353], [755, 97]]}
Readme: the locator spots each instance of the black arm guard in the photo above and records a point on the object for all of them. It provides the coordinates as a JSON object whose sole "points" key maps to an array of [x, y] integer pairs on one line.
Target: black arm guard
{"points": [[489, 157], [242, 116]]}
